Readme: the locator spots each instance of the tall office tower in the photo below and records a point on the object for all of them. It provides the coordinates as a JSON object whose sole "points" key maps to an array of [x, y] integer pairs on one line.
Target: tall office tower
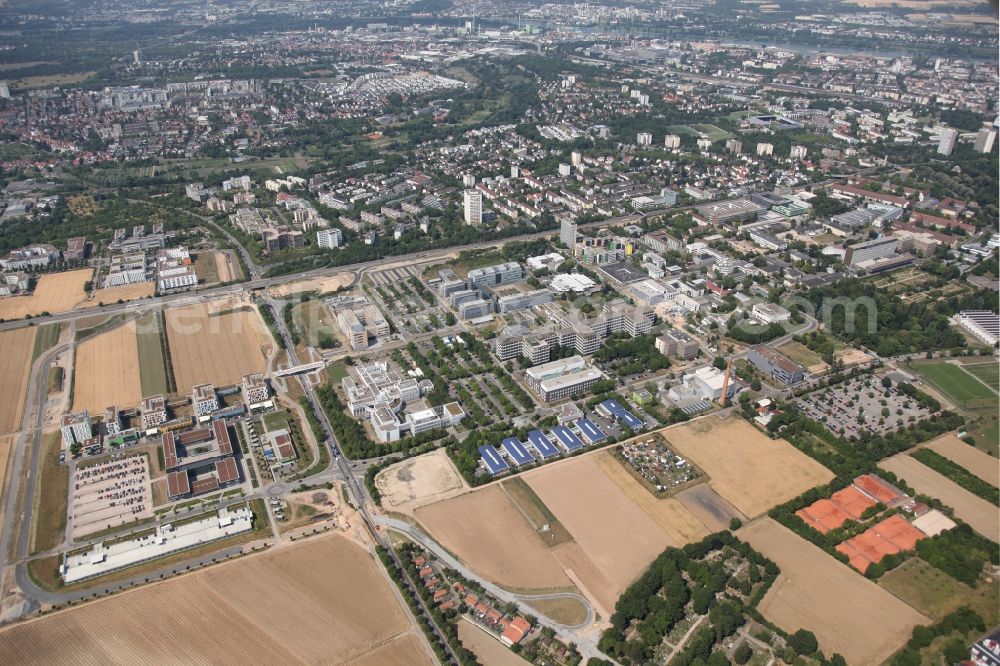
{"points": [[567, 232], [947, 144], [473, 200]]}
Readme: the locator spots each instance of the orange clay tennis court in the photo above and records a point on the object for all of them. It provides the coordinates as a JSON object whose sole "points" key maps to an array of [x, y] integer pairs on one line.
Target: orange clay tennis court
{"points": [[846, 504], [893, 535]]}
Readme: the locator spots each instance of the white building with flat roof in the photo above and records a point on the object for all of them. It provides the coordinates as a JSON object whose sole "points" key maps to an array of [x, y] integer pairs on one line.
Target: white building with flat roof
{"points": [[981, 324], [562, 378], [76, 428]]}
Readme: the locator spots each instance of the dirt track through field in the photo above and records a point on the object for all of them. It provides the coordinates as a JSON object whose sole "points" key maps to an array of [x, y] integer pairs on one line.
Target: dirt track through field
{"points": [[15, 368], [321, 601], [107, 371], [848, 613], [977, 512], [488, 533]]}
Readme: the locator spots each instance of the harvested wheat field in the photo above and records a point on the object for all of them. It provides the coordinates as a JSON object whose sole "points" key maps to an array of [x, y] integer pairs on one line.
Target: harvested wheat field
{"points": [[486, 648], [978, 462], [848, 613], [322, 285], [6, 447], [407, 650], [54, 292], [216, 345], [977, 512], [15, 368], [418, 481], [107, 371], [488, 533], [617, 535], [322, 601], [746, 467], [126, 292]]}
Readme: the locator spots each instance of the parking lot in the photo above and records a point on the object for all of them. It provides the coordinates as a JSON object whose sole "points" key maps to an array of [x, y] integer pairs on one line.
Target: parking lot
{"points": [[401, 295], [862, 407], [110, 494]]}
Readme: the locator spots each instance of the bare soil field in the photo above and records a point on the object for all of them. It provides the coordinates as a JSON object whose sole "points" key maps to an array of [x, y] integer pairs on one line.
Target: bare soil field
{"points": [[848, 613], [217, 346], [978, 513], [6, 444], [619, 537], [407, 650], [127, 292], [321, 284], [224, 267], [54, 292], [107, 371], [418, 481], [746, 467], [15, 367], [671, 515], [487, 532], [281, 607], [488, 649], [712, 510], [978, 462]]}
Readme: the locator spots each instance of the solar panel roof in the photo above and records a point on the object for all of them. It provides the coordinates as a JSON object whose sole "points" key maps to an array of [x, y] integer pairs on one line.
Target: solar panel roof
{"points": [[591, 431], [629, 419], [494, 463], [516, 451], [542, 444], [567, 438]]}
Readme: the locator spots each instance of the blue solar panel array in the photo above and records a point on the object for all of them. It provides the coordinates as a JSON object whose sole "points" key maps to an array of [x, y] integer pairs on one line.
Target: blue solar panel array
{"points": [[542, 444], [616, 411], [566, 437], [591, 431], [491, 457], [516, 451]]}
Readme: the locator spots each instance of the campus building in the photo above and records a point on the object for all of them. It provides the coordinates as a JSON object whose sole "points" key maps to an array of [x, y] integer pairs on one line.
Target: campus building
{"points": [[775, 365], [199, 461], [677, 344], [76, 428], [562, 378]]}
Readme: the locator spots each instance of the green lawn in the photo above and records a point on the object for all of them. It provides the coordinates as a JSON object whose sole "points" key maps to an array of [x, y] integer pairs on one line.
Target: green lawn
{"points": [[714, 133], [925, 588], [45, 338], [954, 382], [275, 421], [153, 374]]}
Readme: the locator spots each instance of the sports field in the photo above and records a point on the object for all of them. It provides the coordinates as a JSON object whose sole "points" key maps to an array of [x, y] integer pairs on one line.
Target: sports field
{"points": [[848, 613], [746, 467], [107, 371], [977, 512], [953, 382], [214, 344], [15, 367], [325, 600], [54, 292], [486, 531]]}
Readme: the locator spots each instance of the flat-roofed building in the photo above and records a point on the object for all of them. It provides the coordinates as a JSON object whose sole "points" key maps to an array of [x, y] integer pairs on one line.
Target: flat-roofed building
{"points": [[204, 399], [562, 378], [725, 212], [770, 313], [154, 411], [254, 389], [199, 461], [677, 343], [775, 364], [879, 248], [494, 275], [76, 428]]}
